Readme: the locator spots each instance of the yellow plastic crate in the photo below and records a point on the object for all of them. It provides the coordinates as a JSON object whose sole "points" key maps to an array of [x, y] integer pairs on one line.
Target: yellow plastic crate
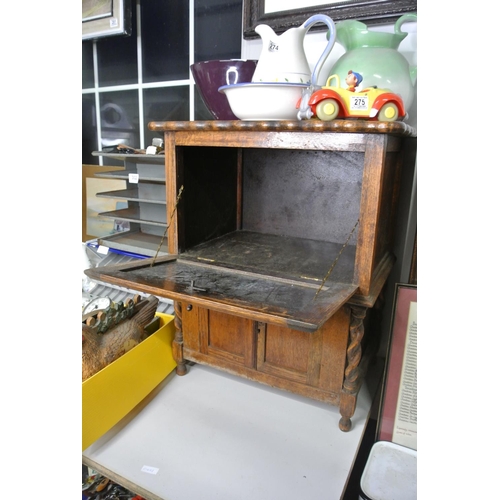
{"points": [[111, 393]]}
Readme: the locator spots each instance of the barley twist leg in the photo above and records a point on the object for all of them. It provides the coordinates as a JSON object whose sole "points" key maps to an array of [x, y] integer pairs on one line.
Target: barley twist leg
{"points": [[177, 345], [352, 375]]}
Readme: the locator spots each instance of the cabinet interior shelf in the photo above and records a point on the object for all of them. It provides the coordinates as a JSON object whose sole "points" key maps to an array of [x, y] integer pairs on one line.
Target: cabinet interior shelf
{"points": [[305, 262]]}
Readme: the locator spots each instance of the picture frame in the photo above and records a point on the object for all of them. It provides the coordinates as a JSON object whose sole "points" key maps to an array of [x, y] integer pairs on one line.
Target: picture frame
{"points": [[413, 264], [397, 421], [104, 18], [368, 11]]}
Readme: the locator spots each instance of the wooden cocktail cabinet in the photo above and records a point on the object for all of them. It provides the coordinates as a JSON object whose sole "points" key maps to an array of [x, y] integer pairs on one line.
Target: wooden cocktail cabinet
{"points": [[279, 245]]}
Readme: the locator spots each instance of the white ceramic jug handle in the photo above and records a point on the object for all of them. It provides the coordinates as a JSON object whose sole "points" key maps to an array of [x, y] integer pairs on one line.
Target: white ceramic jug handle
{"points": [[404, 19], [235, 72], [321, 18]]}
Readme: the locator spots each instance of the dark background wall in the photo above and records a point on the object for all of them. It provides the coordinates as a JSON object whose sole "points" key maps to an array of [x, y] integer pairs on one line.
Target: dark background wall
{"points": [[128, 81]]}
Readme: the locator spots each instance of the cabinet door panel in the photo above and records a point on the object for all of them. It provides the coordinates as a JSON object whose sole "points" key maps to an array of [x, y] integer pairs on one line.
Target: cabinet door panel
{"points": [[229, 337], [284, 352], [315, 359], [287, 348]]}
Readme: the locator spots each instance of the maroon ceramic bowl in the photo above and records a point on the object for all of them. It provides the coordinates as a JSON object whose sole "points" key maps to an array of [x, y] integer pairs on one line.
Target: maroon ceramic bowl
{"points": [[210, 75]]}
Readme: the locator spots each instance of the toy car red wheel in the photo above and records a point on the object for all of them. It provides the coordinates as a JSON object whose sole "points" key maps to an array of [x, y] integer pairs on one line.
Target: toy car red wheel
{"points": [[327, 110], [388, 112]]}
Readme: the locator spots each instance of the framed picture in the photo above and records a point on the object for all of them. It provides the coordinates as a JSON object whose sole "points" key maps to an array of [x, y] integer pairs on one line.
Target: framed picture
{"points": [[102, 18], [284, 14], [397, 421]]}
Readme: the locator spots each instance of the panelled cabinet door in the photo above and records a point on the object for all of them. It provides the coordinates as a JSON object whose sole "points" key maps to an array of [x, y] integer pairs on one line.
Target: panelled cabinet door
{"points": [[218, 335], [314, 359], [285, 353]]}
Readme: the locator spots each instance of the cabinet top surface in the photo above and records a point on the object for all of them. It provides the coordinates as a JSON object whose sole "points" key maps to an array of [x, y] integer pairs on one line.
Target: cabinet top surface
{"points": [[336, 126]]}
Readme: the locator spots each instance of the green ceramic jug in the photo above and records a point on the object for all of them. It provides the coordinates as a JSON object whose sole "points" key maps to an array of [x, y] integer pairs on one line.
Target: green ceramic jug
{"points": [[374, 55]]}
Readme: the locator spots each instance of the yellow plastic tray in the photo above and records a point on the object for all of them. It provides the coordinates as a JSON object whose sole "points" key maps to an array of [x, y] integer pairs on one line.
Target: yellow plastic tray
{"points": [[111, 393]]}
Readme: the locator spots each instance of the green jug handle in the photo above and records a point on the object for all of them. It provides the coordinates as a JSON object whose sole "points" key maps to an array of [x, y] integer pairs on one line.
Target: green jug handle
{"points": [[402, 20]]}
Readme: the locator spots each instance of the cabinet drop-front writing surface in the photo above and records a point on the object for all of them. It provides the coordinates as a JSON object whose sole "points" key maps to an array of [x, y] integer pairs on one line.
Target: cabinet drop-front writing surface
{"points": [[280, 243]]}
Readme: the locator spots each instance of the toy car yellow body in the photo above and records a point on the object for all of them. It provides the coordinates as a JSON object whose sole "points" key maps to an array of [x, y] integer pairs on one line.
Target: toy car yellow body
{"points": [[371, 103]]}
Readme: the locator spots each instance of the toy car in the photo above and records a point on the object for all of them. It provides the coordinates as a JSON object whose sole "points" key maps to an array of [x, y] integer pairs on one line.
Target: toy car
{"points": [[332, 101]]}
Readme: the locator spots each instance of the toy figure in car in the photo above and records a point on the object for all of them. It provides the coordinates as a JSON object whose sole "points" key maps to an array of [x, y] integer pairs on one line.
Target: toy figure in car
{"points": [[353, 79]]}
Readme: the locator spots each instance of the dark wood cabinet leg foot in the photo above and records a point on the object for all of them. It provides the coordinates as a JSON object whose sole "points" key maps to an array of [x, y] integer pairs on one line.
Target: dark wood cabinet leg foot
{"points": [[181, 368], [345, 424], [347, 407], [177, 345]]}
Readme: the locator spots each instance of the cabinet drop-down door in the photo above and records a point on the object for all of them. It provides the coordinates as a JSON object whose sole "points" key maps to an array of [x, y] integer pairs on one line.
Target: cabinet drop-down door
{"points": [[294, 299]]}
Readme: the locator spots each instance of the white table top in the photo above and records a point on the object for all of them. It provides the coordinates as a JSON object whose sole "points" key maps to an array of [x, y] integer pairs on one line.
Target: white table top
{"points": [[211, 435]]}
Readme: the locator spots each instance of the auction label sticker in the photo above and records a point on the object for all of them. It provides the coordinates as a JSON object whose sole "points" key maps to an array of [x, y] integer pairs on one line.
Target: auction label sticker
{"points": [[103, 250], [149, 469], [359, 103]]}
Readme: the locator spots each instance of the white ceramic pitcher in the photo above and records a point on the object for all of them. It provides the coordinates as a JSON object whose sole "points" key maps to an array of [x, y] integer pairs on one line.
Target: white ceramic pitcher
{"points": [[283, 58]]}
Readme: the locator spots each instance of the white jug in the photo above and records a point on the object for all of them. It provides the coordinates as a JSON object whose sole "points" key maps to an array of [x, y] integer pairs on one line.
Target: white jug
{"points": [[283, 58]]}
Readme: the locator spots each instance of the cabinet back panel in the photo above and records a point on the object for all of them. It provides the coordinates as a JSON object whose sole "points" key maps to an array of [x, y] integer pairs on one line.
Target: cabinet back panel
{"points": [[307, 194]]}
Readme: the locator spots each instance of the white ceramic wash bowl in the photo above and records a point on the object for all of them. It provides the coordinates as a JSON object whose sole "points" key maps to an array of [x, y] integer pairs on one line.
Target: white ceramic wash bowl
{"points": [[264, 100]]}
